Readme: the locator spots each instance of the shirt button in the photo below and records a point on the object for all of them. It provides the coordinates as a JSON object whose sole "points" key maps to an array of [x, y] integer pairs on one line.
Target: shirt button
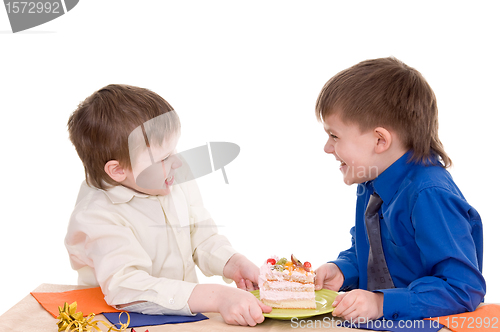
{"points": [[395, 316], [171, 301]]}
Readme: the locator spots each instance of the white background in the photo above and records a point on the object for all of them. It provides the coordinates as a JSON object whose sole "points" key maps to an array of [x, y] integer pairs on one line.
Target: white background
{"points": [[242, 72]]}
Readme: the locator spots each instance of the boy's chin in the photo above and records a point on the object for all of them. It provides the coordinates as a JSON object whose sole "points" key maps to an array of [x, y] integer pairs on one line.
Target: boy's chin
{"points": [[154, 192], [160, 192], [350, 181]]}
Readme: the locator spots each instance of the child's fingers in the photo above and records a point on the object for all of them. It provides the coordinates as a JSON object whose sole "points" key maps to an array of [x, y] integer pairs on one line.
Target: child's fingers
{"points": [[241, 284], [233, 319], [338, 299], [351, 314], [249, 285], [240, 320], [344, 304], [256, 314], [247, 316], [320, 277], [265, 308]]}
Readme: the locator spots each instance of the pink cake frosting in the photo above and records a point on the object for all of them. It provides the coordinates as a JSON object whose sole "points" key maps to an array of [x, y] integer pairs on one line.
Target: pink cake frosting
{"points": [[286, 285], [268, 274]]}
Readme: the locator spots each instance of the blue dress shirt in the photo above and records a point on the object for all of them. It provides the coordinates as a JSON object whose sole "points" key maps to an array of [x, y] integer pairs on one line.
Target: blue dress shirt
{"points": [[432, 240]]}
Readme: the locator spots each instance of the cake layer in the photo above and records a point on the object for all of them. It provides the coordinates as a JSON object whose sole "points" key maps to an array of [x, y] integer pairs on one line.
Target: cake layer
{"points": [[291, 304], [286, 295], [287, 286]]}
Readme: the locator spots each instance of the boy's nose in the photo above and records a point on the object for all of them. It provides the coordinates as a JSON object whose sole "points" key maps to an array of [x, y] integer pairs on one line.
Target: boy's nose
{"points": [[329, 147]]}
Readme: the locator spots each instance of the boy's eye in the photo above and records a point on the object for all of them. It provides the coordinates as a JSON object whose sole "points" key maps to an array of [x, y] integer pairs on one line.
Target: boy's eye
{"points": [[335, 138]]}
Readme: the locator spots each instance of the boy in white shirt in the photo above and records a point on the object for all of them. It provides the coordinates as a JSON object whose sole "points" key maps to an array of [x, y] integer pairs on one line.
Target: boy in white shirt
{"points": [[139, 226]]}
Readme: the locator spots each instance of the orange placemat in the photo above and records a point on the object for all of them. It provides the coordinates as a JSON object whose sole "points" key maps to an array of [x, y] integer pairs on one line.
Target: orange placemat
{"points": [[486, 318], [89, 300]]}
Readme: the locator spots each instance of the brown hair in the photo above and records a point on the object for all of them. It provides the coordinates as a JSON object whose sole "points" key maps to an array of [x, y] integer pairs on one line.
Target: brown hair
{"points": [[387, 93], [100, 127]]}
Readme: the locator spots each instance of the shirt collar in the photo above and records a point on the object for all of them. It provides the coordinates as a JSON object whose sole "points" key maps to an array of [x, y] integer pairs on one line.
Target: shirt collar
{"points": [[121, 194], [387, 184]]}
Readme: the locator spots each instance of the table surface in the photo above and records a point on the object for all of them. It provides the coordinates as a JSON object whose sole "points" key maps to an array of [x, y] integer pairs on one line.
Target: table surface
{"points": [[28, 315]]}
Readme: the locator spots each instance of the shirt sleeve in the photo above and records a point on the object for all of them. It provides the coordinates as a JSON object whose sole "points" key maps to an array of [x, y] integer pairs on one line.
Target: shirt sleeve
{"points": [[452, 282], [347, 262], [150, 308], [123, 269], [211, 250]]}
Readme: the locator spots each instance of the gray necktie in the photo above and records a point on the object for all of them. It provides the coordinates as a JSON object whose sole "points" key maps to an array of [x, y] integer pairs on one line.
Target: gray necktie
{"points": [[378, 273]]}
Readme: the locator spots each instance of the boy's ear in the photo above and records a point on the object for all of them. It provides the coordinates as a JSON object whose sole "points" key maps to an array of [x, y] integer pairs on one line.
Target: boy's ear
{"points": [[384, 139], [115, 171]]}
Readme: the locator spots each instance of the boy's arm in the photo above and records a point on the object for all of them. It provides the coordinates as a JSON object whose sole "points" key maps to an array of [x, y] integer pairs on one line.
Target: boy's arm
{"points": [[452, 282], [347, 262], [236, 306], [211, 251], [101, 241], [122, 269]]}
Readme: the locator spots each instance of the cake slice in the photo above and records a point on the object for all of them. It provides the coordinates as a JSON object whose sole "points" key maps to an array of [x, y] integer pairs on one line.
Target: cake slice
{"points": [[287, 284]]}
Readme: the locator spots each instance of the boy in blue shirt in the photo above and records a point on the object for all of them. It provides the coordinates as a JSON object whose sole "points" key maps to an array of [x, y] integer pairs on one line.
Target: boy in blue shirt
{"points": [[382, 120]]}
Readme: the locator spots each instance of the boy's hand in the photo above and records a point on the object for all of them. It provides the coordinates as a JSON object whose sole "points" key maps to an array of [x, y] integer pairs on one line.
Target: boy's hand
{"points": [[357, 304], [244, 273], [238, 307], [329, 276]]}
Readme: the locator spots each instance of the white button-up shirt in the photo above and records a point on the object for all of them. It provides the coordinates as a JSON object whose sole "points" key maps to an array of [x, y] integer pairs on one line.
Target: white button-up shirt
{"points": [[138, 247]]}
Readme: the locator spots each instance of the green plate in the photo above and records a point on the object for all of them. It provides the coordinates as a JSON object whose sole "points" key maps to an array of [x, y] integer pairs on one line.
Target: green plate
{"points": [[324, 300]]}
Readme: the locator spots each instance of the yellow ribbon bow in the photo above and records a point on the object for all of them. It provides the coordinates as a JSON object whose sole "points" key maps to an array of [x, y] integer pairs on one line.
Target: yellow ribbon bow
{"points": [[70, 320]]}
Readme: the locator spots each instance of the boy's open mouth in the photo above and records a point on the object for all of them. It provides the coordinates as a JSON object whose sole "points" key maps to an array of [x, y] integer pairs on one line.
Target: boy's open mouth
{"points": [[342, 166], [169, 180]]}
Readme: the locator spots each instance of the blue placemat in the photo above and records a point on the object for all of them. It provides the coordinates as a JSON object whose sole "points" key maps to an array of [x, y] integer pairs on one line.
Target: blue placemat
{"points": [[138, 320], [397, 325]]}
